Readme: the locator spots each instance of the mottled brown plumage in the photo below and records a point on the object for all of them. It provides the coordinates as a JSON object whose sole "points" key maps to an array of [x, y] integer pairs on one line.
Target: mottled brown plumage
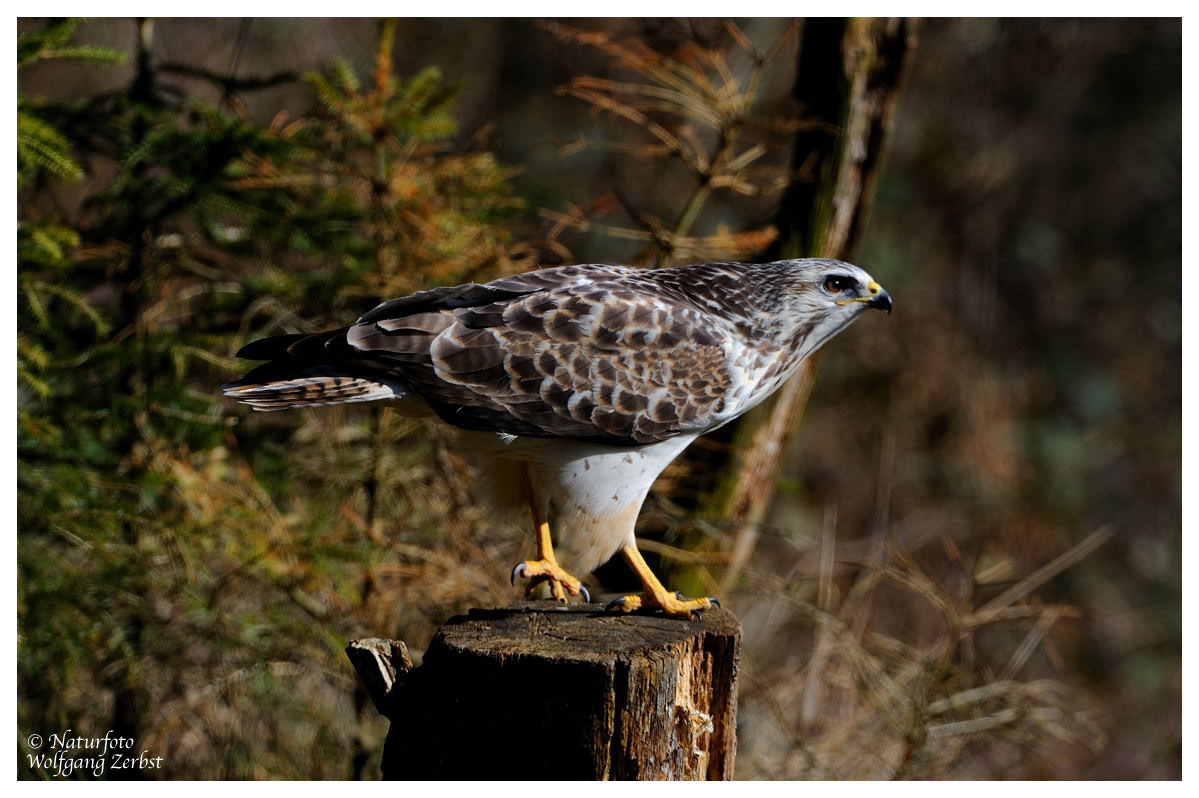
{"points": [[625, 359]]}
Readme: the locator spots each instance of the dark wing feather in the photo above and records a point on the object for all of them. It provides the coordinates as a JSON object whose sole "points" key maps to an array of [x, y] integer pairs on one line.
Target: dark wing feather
{"points": [[458, 296], [270, 348]]}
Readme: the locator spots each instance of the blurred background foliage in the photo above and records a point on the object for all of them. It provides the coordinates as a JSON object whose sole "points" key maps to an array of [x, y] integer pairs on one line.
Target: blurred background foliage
{"points": [[971, 567]]}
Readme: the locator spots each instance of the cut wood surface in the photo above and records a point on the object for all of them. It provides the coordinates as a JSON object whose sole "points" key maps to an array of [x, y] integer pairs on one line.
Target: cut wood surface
{"points": [[541, 690]]}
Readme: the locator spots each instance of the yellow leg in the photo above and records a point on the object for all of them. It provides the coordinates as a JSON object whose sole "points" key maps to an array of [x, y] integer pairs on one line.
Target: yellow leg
{"points": [[656, 596], [545, 568]]}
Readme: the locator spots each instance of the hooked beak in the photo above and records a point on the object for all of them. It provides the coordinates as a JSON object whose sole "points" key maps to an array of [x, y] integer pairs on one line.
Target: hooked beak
{"points": [[879, 298]]}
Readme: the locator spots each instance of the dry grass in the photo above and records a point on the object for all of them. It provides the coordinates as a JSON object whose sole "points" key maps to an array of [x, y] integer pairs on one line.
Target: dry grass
{"points": [[873, 669]]}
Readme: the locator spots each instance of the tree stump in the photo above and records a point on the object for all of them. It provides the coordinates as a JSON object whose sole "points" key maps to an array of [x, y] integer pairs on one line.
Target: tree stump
{"points": [[545, 691]]}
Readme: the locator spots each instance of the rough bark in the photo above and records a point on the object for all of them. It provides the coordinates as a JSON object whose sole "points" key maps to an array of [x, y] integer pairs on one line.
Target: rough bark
{"points": [[543, 691], [848, 80]]}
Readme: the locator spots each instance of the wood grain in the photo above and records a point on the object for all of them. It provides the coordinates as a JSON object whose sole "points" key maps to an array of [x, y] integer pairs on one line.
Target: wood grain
{"points": [[540, 691]]}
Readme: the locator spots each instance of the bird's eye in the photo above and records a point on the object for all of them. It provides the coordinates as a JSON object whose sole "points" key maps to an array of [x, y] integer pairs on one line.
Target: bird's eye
{"points": [[837, 283]]}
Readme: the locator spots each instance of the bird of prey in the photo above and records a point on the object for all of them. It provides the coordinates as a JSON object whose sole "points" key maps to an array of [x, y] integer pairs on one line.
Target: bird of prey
{"points": [[578, 384]]}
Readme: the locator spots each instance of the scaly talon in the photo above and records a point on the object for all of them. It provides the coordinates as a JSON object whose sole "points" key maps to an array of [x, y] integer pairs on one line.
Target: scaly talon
{"points": [[561, 583], [673, 605], [546, 568], [656, 596], [620, 604]]}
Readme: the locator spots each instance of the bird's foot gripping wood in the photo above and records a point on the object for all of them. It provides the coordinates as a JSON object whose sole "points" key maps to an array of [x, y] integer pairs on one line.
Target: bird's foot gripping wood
{"points": [[672, 604], [657, 597], [548, 570]]}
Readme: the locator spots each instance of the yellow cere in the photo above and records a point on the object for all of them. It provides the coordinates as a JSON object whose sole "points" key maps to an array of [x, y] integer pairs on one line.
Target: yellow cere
{"points": [[873, 288]]}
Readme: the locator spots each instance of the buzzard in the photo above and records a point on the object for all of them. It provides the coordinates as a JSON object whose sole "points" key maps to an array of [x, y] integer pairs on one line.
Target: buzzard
{"points": [[578, 384]]}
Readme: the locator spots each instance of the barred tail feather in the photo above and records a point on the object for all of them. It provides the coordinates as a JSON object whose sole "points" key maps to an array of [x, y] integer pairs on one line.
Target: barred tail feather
{"points": [[283, 385]]}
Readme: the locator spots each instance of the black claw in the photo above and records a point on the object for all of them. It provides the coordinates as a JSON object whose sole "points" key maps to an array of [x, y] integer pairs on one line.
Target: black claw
{"points": [[615, 604], [586, 595], [714, 602], [519, 567], [696, 615]]}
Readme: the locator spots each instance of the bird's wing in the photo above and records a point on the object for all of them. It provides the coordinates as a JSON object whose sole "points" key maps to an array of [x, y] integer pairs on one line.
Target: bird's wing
{"points": [[593, 352]]}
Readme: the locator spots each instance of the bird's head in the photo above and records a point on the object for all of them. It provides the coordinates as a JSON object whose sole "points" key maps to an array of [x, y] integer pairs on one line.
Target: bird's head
{"points": [[837, 284], [821, 296]]}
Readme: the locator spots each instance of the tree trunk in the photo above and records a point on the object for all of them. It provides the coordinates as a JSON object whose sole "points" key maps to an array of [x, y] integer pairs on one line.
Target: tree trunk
{"points": [[847, 83], [545, 691]]}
